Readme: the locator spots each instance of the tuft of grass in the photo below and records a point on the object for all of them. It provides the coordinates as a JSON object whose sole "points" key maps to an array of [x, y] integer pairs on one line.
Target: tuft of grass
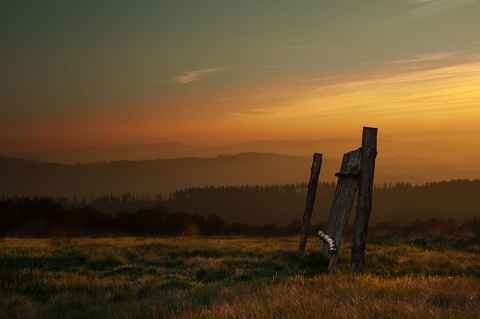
{"points": [[24, 282]]}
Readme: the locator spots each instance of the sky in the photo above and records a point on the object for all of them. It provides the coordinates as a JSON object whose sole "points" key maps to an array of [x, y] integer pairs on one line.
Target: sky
{"points": [[214, 72]]}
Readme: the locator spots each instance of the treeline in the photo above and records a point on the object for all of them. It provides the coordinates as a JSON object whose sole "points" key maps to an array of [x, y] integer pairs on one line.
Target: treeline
{"points": [[235, 210], [255, 204], [400, 202], [41, 217], [279, 204]]}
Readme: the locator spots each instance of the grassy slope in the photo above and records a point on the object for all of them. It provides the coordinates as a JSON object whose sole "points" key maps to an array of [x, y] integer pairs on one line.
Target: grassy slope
{"points": [[235, 278]]}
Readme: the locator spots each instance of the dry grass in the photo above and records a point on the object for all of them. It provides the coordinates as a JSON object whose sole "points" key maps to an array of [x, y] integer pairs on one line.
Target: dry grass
{"points": [[235, 278]]}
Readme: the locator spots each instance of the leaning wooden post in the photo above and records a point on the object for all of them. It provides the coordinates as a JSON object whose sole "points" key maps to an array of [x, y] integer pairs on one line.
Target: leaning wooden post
{"points": [[364, 202], [342, 205], [310, 201]]}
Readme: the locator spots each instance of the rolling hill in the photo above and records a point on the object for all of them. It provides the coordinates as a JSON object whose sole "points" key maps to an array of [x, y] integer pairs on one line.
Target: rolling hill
{"points": [[162, 176]]}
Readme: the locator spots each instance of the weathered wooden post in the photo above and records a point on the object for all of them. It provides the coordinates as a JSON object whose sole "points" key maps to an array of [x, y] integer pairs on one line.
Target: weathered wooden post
{"points": [[310, 201], [364, 202], [345, 192]]}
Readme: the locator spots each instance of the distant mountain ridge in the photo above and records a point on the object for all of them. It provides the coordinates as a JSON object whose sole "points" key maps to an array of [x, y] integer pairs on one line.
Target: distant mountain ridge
{"points": [[99, 153], [163, 176], [151, 177], [164, 167], [445, 152]]}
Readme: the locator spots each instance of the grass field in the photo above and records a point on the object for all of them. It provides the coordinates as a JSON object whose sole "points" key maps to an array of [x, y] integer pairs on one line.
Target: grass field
{"points": [[235, 278]]}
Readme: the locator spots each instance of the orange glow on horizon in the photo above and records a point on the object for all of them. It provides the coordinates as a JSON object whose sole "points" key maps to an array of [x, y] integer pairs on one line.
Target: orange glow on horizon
{"points": [[442, 99]]}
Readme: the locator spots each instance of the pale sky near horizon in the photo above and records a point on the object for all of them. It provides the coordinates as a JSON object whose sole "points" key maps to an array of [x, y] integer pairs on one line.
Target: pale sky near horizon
{"points": [[213, 72]]}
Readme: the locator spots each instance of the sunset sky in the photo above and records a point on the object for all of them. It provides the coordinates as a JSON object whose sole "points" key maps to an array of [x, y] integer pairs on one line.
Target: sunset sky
{"points": [[213, 72]]}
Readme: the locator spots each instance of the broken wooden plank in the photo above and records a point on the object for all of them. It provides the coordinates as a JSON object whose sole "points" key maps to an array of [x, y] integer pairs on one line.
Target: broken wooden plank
{"points": [[345, 193]]}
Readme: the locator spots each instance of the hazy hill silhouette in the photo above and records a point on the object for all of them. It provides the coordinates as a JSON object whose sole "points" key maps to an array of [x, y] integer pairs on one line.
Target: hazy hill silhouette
{"points": [[162, 176], [414, 161], [151, 177], [95, 153], [440, 151]]}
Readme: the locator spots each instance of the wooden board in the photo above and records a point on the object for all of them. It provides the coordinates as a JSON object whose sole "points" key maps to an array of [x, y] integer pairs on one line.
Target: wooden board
{"points": [[345, 193]]}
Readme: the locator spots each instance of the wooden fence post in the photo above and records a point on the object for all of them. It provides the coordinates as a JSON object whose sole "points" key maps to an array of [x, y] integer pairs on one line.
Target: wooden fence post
{"points": [[310, 201], [364, 202], [345, 193]]}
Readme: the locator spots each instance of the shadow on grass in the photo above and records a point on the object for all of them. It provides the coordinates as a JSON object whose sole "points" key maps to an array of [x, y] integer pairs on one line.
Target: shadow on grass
{"points": [[442, 244], [436, 243], [283, 264], [21, 275]]}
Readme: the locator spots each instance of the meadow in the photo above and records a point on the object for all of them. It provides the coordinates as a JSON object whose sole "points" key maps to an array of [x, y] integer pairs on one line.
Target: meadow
{"points": [[197, 277]]}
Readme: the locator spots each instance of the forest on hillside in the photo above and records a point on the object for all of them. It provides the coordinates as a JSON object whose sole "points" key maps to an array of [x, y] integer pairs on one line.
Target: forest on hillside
{"points": [[235, 210], [399, 202]]}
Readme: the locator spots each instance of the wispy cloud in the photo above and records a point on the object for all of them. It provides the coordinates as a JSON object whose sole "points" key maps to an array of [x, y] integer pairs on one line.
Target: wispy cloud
{"points": [[196, 75], [421, 1], [427, 61], [299, 47], [430, 57], [429, 8]]}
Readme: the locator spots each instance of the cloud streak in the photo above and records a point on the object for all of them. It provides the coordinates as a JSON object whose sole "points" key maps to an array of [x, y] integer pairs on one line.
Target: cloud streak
{"points": [[196, 75], [429, 9]]}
